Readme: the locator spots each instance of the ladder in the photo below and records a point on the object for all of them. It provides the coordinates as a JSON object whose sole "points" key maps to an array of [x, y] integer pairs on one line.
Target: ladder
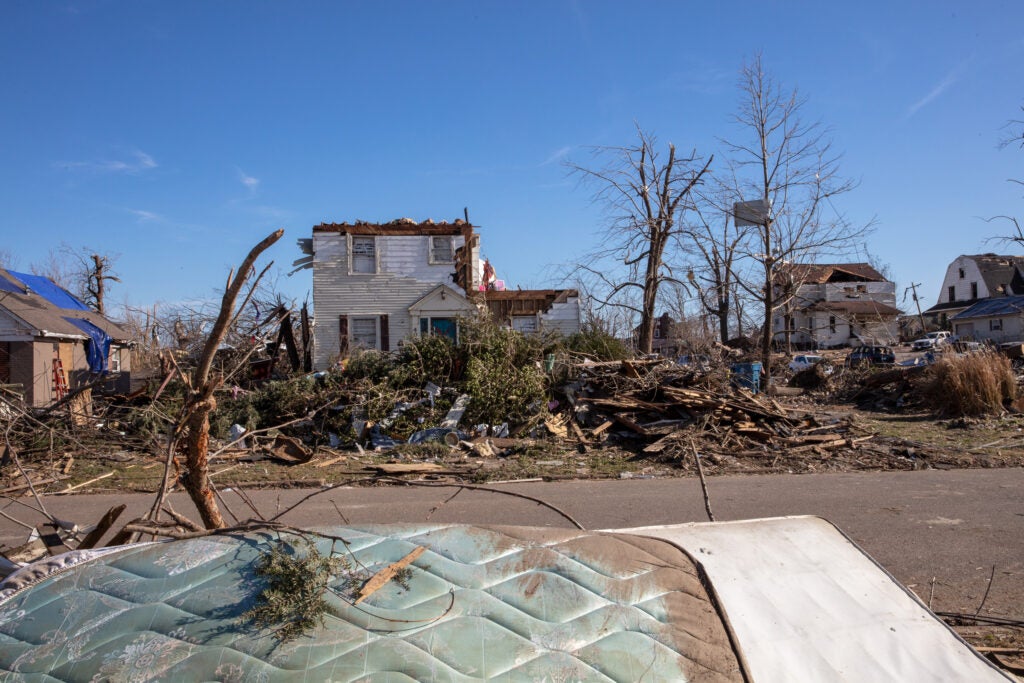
{"points": [[60, 382]]}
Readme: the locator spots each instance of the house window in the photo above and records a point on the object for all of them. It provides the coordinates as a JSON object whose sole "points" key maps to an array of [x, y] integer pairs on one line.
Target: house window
{"points": [[832, 324], [974, 290], [952, 293], [443, 327], [995, 325], [114, 360], [364, 255], [526, 324], [440, 249], [364, 332], [961, 273]]}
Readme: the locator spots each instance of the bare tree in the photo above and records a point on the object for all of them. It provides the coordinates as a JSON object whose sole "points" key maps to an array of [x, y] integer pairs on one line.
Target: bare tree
{"points": [[789, 168], [715, 243], [83, 272], [645, 198], [1014, 137]]}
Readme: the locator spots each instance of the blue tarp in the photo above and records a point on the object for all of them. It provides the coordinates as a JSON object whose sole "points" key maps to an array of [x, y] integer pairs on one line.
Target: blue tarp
{"points": [[8, 286], [49, 290], [97, 349]]}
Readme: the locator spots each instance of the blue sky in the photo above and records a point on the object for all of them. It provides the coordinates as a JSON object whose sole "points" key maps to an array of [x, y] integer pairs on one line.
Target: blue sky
{"points": [[178, 134]]}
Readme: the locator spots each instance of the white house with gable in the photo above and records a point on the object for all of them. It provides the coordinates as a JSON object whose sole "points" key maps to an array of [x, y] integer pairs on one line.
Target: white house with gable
{"points": [[377, 284]]}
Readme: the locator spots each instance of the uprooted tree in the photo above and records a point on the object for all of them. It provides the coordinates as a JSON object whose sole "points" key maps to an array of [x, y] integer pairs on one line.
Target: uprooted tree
{"points": [[785, 178], [645, 198]]}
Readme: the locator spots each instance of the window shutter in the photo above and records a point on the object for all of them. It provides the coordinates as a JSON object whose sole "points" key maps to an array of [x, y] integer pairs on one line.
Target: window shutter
{"points": [[343, 336], [385, 338]]}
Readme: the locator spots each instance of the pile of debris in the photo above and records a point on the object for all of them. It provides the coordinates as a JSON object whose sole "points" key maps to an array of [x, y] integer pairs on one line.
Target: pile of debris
{"points": [[675, 413]]}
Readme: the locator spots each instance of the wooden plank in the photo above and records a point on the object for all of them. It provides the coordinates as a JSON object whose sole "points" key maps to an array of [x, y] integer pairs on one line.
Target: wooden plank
{"points": [[406, 468], [107, 521], [86, 483], [378, 580], [602, 427]]}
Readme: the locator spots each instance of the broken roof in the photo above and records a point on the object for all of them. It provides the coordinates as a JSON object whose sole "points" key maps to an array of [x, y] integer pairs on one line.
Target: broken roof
{"points": [[400, 226], [47, 309], [506, 303], [820, 273], [860, 307], [1001, 273]]}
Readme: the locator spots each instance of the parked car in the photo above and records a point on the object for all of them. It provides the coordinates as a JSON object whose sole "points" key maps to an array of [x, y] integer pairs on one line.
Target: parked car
{"points": [[803, 362], [930, 340], [872, 355]]}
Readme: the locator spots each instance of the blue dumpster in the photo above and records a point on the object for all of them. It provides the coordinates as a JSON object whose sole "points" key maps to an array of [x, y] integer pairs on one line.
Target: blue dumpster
{"points": [[746, 375]]}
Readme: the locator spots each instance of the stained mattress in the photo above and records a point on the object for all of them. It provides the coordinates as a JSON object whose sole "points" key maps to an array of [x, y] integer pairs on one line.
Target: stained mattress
{"points": [[481, 603]]}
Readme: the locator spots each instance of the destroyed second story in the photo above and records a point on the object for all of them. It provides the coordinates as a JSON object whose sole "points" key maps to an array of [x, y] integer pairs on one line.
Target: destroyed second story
{"points": [[836, 283], [358, 258]]}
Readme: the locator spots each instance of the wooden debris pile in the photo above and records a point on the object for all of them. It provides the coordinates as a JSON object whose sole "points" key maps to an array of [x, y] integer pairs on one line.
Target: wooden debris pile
{"points": [[676, 416]]}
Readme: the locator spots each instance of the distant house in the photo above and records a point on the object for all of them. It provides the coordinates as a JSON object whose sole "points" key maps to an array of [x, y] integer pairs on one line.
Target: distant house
{"points": [[377, 284], [999, 319], [834, 304], [970, 279], [50, 342]]}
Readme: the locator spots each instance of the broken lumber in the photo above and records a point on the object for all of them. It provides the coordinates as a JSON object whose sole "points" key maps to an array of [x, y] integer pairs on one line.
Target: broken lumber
{"points": [[378, 580]]}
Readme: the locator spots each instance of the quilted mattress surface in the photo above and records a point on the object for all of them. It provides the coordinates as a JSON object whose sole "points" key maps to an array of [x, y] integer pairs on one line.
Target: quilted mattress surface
{"points": [[481, 603]]}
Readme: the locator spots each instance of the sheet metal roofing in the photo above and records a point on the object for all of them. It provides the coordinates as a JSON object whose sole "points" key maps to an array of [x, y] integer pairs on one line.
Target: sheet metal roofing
{"points": [[988, 308]]}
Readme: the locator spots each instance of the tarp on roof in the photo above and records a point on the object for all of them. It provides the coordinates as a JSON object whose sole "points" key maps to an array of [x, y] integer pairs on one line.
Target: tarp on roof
{"points": [[51, 291], [97, 349], [8, 286]]}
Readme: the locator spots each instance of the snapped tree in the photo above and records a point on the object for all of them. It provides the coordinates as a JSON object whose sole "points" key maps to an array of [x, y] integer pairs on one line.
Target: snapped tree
{"points": [[645, 198], [201, 401]]}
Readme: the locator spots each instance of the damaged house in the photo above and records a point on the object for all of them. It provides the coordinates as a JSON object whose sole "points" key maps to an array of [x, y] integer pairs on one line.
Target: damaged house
{"points": [[970, 279], [50, 342], [834, 304], [377, 284]]}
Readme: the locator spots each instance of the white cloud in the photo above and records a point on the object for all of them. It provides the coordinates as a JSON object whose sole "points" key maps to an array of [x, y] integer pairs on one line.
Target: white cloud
{"points": [[951, 78], [558, 155], [145, 216], [137, 161], [249, 181]]}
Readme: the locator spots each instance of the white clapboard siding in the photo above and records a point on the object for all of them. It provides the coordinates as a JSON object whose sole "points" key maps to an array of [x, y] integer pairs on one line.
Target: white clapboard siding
{"points": [[404, 277], [563, 317]]}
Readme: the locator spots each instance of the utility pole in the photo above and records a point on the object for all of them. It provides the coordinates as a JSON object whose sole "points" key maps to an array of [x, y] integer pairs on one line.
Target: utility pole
{"points": [[913, 287]]}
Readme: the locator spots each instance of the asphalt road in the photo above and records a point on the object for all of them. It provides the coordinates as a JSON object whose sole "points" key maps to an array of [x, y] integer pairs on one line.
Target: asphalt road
{"points": [[954, 526]]}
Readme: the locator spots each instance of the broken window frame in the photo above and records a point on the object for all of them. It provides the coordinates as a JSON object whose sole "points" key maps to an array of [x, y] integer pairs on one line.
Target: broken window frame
{"points": [[361, 338], [525, 324], [440, 250], [363, 255], [995, 325]]}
